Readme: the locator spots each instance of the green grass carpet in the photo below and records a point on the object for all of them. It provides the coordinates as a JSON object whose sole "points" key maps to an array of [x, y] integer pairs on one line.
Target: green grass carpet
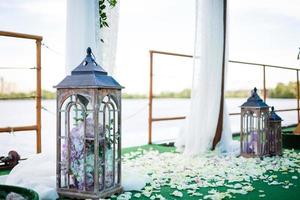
{"points": [[4, 172], [272, 192]]}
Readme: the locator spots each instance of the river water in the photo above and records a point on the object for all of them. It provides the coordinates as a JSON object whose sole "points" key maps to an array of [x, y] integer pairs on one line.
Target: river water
{"points": [[134, 121]]}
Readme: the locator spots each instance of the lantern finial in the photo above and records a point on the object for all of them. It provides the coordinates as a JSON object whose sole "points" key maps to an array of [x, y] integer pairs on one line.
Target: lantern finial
{"points": [[255, 89], [273, 116], [89, 51]]}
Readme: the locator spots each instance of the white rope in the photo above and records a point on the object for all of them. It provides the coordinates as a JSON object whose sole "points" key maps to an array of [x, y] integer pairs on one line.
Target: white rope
{"points": [[52, 49]]}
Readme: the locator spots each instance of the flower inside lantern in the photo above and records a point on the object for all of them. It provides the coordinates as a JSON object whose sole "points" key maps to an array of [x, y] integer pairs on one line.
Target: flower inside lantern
{"points": [[88, 133]]}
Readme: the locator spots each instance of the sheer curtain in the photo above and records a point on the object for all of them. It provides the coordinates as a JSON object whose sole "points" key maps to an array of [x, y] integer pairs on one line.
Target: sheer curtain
{"points": [[108, 48], [209, 60], [83, 31]]}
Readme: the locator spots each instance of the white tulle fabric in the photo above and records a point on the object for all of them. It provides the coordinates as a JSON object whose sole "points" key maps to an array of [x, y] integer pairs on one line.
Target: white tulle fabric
{"points": [[36, 173], [83, 30], [108, 48], [200, 127]]}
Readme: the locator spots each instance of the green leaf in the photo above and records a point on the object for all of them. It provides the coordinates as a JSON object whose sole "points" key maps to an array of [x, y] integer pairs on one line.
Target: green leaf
{"points": [[102, 7], [105, 24]]}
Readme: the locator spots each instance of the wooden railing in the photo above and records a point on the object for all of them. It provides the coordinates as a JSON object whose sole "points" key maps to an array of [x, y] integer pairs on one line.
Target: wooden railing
{"points": [[152, 119], [36, 127]]}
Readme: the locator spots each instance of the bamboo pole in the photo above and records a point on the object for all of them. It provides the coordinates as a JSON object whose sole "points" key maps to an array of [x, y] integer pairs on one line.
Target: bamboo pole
{"points": [[171, 54], [259, 64], [38, 97], [167, 118], [231, 61], [36, 127], [232, 114], [21, 35], [150, 100], [298, 106], [17, 128], [264, 83]]}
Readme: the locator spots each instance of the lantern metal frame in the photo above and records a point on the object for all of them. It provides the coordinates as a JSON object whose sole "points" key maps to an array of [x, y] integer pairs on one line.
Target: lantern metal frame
{"points": [[103, 94]]}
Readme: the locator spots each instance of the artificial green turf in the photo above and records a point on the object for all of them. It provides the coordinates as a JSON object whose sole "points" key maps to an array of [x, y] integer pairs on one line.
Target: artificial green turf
{"points": [[4, 172], [158, 147], [288, 129], [274, 192]]}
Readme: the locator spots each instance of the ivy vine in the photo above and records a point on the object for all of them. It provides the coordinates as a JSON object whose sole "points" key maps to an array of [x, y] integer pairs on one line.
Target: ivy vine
{"points": [[102, 11]]}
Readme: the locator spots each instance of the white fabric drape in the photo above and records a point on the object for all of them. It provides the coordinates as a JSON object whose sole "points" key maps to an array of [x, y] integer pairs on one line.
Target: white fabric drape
{"points": [[83, 31], [200, 127], [108, 48]]}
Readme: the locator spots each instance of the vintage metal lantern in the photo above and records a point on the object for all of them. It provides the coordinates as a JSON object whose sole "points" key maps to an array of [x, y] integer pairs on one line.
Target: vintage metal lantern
{"points": [[88, 132], [254, 127], [275, 137]]}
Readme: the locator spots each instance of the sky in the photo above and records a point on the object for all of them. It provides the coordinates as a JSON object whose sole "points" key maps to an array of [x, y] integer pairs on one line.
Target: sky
{"points": [[261, 31]]}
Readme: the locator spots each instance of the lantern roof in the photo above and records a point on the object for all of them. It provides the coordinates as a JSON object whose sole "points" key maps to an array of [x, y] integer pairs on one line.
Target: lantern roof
{"points": [[89, 75], [273, 116], [255, 101]]}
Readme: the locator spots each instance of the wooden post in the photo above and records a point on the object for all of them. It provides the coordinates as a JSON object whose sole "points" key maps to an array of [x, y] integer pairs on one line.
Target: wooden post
{"points": [[150, 99], [297, 129], [38, 97], [298, 106], [264, 83]]}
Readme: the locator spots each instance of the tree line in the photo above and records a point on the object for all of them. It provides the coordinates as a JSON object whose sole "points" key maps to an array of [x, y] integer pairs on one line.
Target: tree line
{"points": [[281, 90]]}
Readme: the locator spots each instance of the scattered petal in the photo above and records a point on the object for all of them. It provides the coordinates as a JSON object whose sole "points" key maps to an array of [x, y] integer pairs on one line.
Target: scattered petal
{"points": [[177, 193]]}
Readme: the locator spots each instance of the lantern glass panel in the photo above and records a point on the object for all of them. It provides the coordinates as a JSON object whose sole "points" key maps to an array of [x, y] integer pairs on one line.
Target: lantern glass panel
{"points": [[108, 116], [275, 138]]}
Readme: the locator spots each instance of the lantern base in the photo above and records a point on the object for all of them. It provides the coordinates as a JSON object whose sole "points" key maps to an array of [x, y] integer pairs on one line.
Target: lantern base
{"points": [[249, 155], [74, 194]]}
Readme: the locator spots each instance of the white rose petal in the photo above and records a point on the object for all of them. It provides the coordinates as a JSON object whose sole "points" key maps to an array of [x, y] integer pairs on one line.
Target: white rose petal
{"points": [[177, 193]]}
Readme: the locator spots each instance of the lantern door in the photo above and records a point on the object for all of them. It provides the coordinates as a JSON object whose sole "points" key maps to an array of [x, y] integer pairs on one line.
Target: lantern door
{"points": [[76, 142], [275, 138], [254, 132], [110, 119]]}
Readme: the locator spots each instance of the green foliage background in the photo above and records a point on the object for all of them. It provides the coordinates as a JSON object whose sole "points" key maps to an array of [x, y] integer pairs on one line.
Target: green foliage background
{"points": [[280, 91]]}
